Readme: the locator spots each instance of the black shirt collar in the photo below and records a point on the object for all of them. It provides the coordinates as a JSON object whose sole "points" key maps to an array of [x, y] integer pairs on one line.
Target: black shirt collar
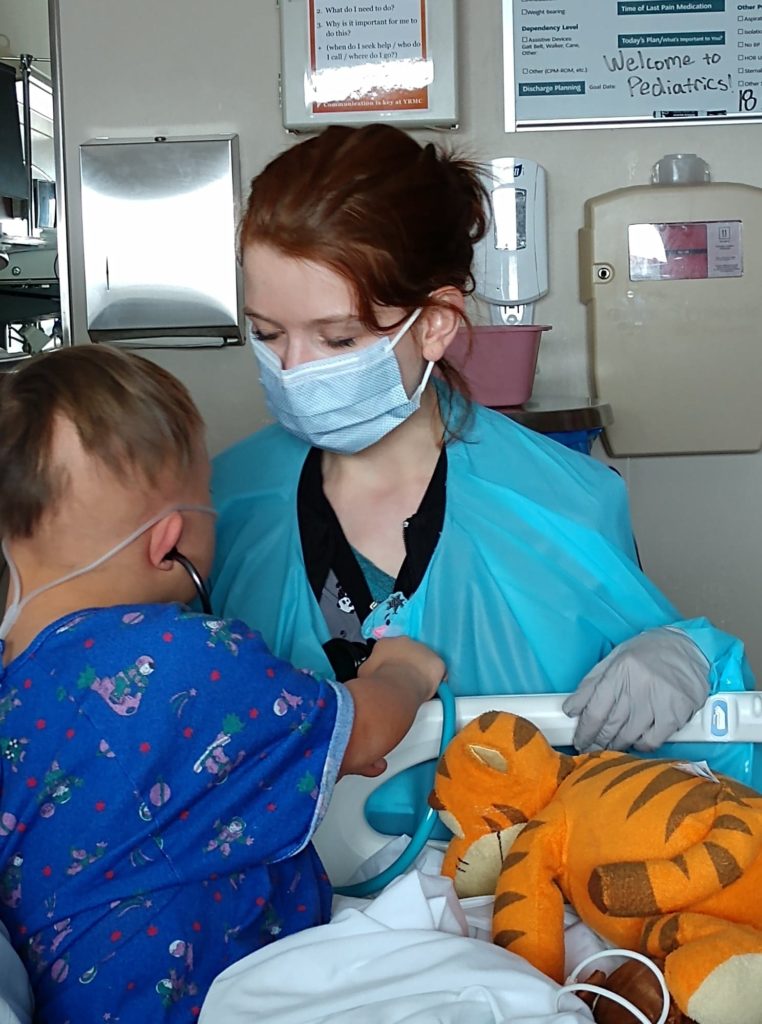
{"points": [[325, 546]]}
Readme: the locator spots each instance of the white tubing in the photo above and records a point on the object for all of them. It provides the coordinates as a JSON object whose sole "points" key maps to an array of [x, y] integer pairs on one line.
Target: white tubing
{"points": [[572, 985]]}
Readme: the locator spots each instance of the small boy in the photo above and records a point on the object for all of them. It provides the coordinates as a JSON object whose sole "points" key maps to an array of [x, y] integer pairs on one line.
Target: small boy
{"points": [[162, 773]]}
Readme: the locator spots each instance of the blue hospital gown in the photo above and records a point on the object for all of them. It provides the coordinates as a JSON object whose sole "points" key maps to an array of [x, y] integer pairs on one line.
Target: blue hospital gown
{"points": [[162, 774]]}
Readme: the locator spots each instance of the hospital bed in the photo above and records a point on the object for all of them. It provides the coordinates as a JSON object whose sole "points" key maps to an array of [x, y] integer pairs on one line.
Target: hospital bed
{"points": [[345, 839], [414, 953]]}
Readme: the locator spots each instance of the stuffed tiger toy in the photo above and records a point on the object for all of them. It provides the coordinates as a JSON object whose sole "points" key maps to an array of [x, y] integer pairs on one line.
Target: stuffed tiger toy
{"points": [[651, 856]]}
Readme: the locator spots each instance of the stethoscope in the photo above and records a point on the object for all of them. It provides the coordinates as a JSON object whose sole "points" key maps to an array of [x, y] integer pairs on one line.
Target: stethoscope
{"points": [[425, 827], [201, 592], [421, 836]]}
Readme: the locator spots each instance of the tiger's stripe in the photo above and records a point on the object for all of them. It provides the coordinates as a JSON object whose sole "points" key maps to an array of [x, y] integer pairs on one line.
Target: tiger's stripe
{"points": [[586, 815]]}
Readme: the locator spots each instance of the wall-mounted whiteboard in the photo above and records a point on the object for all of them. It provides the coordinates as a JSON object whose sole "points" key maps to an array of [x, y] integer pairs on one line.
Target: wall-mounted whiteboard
{"points": [[571, 63], [368, 60]]}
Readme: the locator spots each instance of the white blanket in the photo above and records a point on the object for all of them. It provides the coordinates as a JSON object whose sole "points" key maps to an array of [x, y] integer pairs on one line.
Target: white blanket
{"points": [[404, 958], [16, 1001]]}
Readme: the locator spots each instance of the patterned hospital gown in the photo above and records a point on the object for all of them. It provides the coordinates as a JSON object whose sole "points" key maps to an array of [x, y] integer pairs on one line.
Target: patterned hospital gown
{"points": [[162, 774]]}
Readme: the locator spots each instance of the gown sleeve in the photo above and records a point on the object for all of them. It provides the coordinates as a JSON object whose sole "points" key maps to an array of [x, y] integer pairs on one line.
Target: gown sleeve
{"points": [[728, 666]]}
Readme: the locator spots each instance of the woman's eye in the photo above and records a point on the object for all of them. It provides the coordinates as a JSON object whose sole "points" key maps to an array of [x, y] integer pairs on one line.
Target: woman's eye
{"points": [[258, 335], [339, 342]]}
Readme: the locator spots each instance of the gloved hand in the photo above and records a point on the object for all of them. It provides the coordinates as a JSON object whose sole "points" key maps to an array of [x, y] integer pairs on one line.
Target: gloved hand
{"points": [[642, 692]]}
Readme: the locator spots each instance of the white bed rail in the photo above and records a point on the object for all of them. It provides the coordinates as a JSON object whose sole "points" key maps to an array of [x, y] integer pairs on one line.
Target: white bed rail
{"points": [[345, 839]]}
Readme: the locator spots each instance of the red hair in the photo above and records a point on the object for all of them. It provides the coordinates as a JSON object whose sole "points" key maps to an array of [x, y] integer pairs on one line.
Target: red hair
{"points": [[395, 219]]}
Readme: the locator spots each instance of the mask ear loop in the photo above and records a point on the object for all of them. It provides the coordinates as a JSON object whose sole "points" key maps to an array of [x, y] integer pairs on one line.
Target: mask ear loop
{"points": [[16, 606], [426, 374], [573, 985], [429, 364], [406, 326]]}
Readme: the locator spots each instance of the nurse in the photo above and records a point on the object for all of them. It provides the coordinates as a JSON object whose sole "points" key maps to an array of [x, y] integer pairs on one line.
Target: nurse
{"points": [[383, 501]]}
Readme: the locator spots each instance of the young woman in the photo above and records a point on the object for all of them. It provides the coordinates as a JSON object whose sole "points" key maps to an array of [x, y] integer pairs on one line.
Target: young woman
{"points": [[383, 501]]}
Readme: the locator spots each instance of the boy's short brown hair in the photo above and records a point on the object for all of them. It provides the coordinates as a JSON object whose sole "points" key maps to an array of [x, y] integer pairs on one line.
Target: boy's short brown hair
{"points": [[128, 412]]}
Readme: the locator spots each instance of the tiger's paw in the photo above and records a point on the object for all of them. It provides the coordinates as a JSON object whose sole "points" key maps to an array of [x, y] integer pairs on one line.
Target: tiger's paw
{"points": [[730, 993]]}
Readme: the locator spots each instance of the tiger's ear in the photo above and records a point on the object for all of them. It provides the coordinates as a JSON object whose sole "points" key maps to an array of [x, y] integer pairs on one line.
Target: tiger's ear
{"points": [[489, 757]]}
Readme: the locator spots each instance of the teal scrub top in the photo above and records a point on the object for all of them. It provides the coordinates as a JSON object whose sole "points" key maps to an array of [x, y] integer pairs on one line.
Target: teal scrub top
{"points": [[533, 581]]}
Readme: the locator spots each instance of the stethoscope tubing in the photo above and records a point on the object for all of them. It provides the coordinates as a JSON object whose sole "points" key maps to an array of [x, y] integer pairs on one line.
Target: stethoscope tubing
{"points": [[425, 826], [195, 575]]}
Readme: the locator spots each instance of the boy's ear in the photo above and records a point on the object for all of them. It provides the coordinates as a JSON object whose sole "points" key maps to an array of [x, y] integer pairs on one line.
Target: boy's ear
{"points": [[162, 538], [439, 324]]}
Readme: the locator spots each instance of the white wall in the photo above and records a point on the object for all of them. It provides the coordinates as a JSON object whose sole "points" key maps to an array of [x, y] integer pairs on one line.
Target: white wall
{"points": [[185, 66], [24, 29]]}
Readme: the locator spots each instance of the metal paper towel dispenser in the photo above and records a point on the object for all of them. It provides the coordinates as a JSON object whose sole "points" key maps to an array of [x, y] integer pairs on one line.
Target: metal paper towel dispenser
{"points": [[159, 232]]}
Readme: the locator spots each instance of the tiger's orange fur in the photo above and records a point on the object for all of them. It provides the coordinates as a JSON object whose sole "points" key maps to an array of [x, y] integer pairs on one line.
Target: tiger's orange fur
{"points": [[652, 857]]}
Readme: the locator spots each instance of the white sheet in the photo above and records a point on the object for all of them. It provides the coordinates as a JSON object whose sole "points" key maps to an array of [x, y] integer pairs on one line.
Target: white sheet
{"points": [[404, 958], [16, 1000], [580, 941]]}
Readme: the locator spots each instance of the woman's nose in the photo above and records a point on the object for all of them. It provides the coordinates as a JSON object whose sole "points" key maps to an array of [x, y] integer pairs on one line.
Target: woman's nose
{"points": [[296, 352]]}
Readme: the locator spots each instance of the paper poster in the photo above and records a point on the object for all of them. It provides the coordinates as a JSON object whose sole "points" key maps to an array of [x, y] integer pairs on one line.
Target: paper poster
{"points": [[631, 60], [368, 56]]}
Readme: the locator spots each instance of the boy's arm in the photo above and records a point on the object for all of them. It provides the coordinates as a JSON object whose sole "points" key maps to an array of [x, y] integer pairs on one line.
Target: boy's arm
{"points": [[397, 678]]}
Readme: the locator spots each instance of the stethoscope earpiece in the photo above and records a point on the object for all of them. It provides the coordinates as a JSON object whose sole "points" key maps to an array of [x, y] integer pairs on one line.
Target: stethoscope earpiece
{"points": [[195, 575]]}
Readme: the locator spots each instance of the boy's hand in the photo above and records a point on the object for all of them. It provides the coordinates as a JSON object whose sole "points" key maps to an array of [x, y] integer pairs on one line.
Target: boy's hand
{"points": [[372, 771], [402, 654], [390, 687]]}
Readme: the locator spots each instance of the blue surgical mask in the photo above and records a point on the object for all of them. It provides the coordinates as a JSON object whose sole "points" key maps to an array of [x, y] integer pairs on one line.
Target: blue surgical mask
{"points": [[342, 403]]}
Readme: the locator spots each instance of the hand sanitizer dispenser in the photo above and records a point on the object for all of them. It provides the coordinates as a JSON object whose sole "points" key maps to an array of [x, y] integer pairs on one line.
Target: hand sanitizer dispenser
{"points": [[510, 271], [511, 262]]}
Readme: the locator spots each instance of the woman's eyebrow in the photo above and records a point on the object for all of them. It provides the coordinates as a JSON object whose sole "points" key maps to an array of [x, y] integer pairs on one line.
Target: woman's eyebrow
{"points": [[260, 316], [341, 318], [323, 321]]}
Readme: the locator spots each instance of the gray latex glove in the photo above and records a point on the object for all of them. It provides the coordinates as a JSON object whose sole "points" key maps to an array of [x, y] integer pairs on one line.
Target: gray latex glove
{"points": [[641, 693]]}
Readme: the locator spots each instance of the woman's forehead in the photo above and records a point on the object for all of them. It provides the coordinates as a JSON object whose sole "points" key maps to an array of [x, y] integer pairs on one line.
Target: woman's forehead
{"points": [[278, 285]]}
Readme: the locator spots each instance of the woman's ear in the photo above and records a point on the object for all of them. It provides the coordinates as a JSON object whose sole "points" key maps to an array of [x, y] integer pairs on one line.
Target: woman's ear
{"points": [[162, 538], [438, 324]]}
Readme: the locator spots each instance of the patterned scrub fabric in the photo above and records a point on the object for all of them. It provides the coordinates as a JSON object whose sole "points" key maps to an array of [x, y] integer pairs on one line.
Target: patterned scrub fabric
{"points": [[162, 774]]}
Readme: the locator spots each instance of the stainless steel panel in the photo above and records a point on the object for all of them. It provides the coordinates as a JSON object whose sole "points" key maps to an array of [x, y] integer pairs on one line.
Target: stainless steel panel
{"points": [[159, 229]]}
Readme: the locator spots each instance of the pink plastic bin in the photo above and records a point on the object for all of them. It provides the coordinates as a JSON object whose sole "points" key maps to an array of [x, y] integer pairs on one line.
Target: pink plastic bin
{"points": [[500, 366]]}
